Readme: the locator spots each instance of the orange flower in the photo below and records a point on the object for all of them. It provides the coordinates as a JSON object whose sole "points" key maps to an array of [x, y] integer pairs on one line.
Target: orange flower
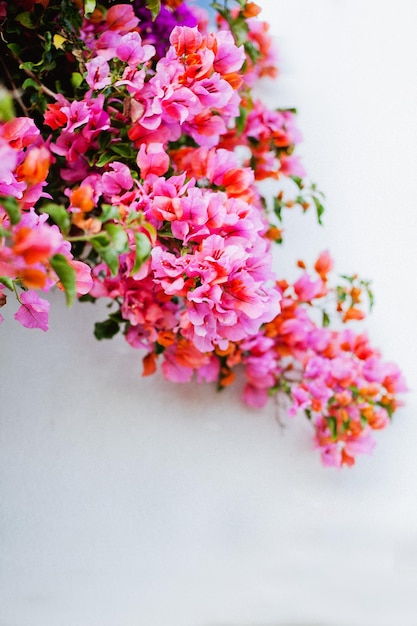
{"points": [[323, 265], [347, 459], [353, 314], [35, 167], [82, 198], [32, 278], [90, 225]]}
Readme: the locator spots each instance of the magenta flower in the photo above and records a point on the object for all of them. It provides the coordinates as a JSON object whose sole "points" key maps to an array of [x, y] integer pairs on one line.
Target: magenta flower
{"points": [[33, 312]]}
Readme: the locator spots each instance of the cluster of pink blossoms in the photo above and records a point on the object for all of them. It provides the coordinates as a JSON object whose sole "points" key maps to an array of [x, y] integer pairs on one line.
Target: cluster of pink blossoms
{"points": [[31, 250], [151, 159]]}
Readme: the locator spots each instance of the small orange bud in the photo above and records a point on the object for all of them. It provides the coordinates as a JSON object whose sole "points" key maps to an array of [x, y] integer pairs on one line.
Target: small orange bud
{"points": [[251, 10], [149, 364]]}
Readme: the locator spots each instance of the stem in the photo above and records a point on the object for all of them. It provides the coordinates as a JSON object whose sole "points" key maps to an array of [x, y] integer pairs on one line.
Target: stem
{"points": [[33, 76], [15, 90], [16, 293]]}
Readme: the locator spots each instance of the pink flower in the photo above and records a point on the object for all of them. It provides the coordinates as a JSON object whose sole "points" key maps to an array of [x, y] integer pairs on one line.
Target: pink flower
{"points": [[306, 289], [121, 18], [33, 312], [98, 73], [291, 166], [83, 279], [131, 51], [152, 159], [229, 58], [20, 132], [117, 181]]}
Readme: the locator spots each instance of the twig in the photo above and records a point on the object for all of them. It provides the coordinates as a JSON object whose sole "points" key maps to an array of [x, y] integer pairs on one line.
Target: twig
{"points": [[15, 90]]}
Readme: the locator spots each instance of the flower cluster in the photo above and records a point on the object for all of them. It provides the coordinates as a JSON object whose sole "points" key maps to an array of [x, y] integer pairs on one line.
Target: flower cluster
{"points": [[131, 173]]}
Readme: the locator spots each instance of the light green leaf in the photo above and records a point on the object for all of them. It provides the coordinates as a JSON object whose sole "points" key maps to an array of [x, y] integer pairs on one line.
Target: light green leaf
{"points": [[118, 236], [7, 282], [89, 6], [59, 215], [11, 206], [143, 251], [154, 6]]}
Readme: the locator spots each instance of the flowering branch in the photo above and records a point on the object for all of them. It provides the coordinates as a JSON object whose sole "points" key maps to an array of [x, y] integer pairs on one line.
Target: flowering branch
{"points": [[134, 176]]}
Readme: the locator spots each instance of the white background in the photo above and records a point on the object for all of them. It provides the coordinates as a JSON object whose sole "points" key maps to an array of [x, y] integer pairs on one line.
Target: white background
{"points": [[131, 502]]}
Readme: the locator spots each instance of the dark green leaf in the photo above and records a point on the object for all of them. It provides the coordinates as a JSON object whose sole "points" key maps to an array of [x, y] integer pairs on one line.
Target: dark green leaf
{"points": [[66, 274], [332, 424], [106, 330], [122, 149], [278, 208], [241, 120], [105, 158], [326, 319]]}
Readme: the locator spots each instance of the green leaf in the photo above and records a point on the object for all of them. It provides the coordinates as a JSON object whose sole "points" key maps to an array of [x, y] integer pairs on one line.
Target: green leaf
{"points": [[278, 208], [29, 82], [66, 274], [122, 149], [89, 6], [241, 120], [76, 79], [6, 105], [154, 6], [110, 212], [25, 19], [105, 158], [102, 239], [11, 206], [332, 424], [325, 319], [252, 51], [103, 141], [59, 215], [15, 48], [106, 329], [118, 236], [7, 282], [143, 251], [298, 181], [319, 209], [107, 253]]}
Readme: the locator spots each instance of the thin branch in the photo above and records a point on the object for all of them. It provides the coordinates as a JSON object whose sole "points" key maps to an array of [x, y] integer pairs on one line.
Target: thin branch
{"points": [[15, 90]]}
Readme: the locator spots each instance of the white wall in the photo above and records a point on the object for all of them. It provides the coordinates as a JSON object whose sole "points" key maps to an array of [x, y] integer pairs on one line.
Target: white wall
{"points": [[130, 502]]}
